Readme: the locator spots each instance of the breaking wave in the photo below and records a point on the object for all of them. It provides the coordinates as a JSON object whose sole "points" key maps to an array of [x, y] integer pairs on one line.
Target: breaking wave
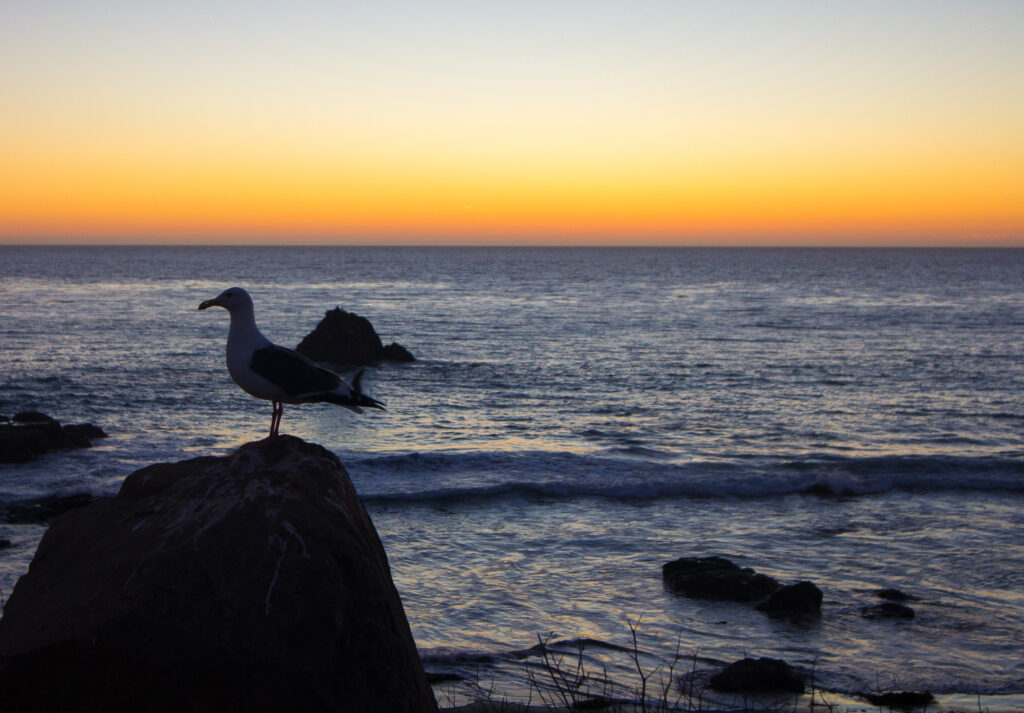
{"points": [[559, 475]]}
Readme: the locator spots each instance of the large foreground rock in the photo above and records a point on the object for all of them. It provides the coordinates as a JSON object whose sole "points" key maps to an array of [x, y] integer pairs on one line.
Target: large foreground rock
{"points": [[246, 583], [344, 338]]}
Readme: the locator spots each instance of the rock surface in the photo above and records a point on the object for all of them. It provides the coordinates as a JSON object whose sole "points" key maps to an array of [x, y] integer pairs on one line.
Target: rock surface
{"points": [[718, 579], [793, 600], [246, 583], [763, 674], [31, 434], [345, 338]]}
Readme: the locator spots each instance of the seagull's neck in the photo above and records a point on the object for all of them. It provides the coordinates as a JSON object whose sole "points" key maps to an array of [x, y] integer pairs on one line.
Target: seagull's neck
{"points": [[244, 334]]}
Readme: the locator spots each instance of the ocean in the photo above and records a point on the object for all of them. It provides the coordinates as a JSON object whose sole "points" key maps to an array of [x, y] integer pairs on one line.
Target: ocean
{"points": [[578, 417]]}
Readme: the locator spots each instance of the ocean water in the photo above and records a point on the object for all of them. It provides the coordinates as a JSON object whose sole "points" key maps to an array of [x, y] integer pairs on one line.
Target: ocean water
{"points": [[579, 417]]}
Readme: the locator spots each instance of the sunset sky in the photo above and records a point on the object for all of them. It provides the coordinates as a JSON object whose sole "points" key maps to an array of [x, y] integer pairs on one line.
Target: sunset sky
{"points": [[517, 122]]}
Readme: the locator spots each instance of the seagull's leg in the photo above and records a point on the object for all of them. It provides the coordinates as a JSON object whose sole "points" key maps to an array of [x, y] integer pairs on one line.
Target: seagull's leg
{"points": [[275, 418], [280, 413]]}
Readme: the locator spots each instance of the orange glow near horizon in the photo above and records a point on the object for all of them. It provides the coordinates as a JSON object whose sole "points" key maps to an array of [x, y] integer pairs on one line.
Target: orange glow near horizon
{"points": [[480, 135], [268, 199]]}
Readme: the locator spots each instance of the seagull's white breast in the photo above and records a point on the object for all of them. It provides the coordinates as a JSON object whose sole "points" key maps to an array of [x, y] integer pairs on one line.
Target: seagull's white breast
{"points": [[243, 339]]}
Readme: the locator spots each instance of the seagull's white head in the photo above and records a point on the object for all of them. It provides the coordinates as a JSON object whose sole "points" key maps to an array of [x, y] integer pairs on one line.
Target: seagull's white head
{"points": [[231, 299]]}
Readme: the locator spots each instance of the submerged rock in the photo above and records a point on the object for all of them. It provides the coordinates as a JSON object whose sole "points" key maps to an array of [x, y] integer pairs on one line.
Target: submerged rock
{"points": [[345, 338], [894, 595], [251, 582], [793, 600], [31, 434], [763, 674], [716, 578], [887, 610]]}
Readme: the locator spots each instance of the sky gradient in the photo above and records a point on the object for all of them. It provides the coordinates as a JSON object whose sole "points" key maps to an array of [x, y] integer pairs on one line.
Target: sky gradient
{"points": [[530, 122]]}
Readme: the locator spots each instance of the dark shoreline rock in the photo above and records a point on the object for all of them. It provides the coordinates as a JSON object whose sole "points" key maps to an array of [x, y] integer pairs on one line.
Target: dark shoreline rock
{"points": [[753, 675], [31, 434], [346, 339], [717, 579], [900, 699], [798, 599], [253, 582]]}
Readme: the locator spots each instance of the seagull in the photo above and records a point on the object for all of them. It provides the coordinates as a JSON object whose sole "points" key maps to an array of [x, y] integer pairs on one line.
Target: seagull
{"points": [[279, 375]]}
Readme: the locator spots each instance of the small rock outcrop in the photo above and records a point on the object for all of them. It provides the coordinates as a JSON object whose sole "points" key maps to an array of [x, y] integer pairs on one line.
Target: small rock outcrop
{"points": [[900, 699], [347, 339], [396, 352], [758, 675], [246, 583], [797, 599], [716, 578], [31, 434]]}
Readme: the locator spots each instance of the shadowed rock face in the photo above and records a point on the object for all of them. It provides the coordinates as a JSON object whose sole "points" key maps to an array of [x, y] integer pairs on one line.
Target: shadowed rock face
{"points": [[251, 582]]}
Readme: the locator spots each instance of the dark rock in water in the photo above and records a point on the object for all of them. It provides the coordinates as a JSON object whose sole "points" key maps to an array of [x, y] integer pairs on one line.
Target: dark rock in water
{"points": [[596, 703], [4, 543], [33, 417], [39, 510], [252, 583], [85, 430], [396, 352], [32, 434], [345, 338], [900, 699], [895, 595], [764, 674], [716, 578], [887, 610], [793, 600]]}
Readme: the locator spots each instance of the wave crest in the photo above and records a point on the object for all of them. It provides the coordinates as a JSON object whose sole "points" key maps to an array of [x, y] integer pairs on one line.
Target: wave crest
{"points": [[482, 475]]}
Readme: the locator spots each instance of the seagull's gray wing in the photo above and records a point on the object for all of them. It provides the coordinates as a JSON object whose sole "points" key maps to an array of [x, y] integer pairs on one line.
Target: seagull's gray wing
{"points": [[292, 372]]}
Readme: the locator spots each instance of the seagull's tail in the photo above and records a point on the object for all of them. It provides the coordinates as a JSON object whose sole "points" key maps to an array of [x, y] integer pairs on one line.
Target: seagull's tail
{"points": [[354, 398]]}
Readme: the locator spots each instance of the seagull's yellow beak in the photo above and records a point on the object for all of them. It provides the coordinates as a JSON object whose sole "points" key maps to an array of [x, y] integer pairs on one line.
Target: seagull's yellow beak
{"points": [[210, 303]]}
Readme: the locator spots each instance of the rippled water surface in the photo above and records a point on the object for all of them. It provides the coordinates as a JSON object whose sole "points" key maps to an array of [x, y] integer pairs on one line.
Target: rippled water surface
{"points": [[579, 417]]}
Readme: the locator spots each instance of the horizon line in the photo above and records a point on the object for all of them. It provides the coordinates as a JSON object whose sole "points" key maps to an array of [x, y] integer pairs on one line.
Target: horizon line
{"points": [[836, 245]]}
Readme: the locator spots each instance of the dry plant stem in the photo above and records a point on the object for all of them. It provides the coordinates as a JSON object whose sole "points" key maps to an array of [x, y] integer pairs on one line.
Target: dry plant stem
{"points": [[635, 655]]}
